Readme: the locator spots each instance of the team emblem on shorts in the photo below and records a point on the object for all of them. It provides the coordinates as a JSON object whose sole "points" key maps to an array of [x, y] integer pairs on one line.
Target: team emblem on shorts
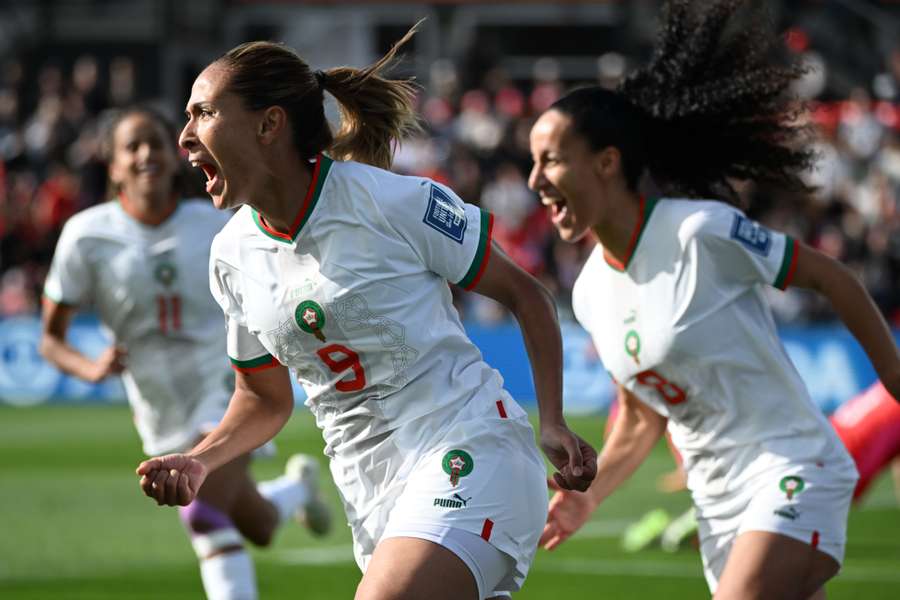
{"points": [[165, 273], [457, 463], [791, 485], [311, 318], [633, 345]]}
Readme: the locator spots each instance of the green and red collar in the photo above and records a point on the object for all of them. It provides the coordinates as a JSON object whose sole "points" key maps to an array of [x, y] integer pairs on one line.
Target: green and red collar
{"points": [[646, 207], [319, 175]]}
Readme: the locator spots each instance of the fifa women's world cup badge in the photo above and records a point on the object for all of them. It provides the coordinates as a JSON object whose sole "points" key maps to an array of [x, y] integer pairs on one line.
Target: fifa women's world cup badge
{"points": [[310, 318], [791, 485], [457, 463]]}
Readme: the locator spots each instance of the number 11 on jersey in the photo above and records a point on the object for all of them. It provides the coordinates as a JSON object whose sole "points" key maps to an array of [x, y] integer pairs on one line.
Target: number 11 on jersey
{"points": [[169, 311]]}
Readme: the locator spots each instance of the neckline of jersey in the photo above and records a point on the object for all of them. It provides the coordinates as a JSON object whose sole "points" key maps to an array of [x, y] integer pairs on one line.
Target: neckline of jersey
{"points": [[646, 207], [171, 218], [320, 173]]}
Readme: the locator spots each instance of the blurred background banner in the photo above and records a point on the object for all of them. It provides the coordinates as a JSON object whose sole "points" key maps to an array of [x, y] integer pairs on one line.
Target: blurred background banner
{"points": [[830, 361], [27, 379]]}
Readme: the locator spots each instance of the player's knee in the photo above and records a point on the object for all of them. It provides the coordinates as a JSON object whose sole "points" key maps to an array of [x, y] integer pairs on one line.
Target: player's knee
{"points": [[212, 531], [260, 536]]}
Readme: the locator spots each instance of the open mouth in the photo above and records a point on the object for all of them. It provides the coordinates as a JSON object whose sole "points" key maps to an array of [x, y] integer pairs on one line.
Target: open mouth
{"points": [[212, 176], [559, 209]]}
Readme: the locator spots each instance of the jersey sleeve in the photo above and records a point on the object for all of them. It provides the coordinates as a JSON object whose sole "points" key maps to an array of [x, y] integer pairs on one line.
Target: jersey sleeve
{"points": [[245, 351], [745, 251], [69, 280], [452, 238]]}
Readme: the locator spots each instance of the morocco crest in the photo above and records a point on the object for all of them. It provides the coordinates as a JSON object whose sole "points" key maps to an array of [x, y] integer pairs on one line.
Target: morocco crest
{"points": [[457, 463], [310, 317], [791, 486]]}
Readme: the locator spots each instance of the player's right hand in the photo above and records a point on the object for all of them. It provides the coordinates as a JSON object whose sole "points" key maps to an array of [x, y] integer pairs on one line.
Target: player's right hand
{"points": [[569, 510], [173, 479], [110, 362]]}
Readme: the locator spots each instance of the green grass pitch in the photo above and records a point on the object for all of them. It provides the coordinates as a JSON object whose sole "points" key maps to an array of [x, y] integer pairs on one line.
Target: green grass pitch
{"points": [[75, 526]]}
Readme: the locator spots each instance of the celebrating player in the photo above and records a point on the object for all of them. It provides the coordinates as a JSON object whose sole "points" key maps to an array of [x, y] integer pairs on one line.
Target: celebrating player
{"points": [[672, 298], [137, 261], [339, 270]]}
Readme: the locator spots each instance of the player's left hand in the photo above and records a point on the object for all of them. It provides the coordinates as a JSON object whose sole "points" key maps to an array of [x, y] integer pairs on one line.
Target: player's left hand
{"points": [[575, 459], [567, 513], [173, 479]]}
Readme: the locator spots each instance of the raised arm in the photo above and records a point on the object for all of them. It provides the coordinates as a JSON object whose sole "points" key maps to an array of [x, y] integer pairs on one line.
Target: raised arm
{"points": [[534, 309], [856, 309], [634, 433], [55, 320], [261, 405]]}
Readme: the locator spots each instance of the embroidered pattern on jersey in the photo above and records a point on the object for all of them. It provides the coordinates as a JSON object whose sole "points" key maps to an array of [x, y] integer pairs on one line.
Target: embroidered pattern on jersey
{"points": [[751, 234], [353, 314], [288, 348], [444, 215]]}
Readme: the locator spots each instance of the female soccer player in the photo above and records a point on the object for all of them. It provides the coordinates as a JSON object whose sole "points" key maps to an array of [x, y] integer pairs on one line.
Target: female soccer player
{"points": [[338, 269], [672, 297], [137, 261]]}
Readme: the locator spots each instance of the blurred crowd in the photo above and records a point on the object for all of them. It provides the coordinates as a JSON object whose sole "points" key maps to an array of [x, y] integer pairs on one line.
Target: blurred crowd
{"points": [[477, 142], [50, 164]]}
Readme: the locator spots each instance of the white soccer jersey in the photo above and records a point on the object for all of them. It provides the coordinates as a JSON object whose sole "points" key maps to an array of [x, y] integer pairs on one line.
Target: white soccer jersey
{"points": [[148, 288], [683, 324], [355, 301]]}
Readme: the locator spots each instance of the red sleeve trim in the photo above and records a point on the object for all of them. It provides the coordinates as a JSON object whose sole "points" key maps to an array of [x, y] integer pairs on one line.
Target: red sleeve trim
{"points": [[273, 362], [793, 268], [487, 254]]}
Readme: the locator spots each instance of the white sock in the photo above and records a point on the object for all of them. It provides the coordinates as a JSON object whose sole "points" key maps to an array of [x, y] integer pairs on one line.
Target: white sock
{"points": [[229, 576], [286, 493]]}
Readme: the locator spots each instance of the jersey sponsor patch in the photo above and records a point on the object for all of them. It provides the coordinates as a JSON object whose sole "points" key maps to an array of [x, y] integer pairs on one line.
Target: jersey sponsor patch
{"points": [[444, 215], [752, 235]]}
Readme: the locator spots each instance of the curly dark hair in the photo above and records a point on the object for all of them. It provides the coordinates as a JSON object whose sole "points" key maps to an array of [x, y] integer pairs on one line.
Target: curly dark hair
{"points": [[709, 107]]}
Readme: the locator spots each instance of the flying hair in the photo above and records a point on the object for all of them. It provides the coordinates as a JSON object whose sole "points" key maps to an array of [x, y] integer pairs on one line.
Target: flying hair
{"points": [[710, 106], [719, 108], [376, 111]]}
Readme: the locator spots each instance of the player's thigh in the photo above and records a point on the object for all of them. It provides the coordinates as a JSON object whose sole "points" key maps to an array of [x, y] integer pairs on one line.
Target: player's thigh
{"points": [[770, 566], [223, 486], [404, 568]]}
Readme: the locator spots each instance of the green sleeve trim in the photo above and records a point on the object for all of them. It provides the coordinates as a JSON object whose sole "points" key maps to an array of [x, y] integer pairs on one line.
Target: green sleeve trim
{"points": [[262, 361], [56, 300], [476, 269], [788, 263]]}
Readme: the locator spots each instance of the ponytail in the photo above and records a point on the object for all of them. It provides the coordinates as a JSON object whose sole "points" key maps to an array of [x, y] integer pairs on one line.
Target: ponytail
{"points": [[375, 111]]}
